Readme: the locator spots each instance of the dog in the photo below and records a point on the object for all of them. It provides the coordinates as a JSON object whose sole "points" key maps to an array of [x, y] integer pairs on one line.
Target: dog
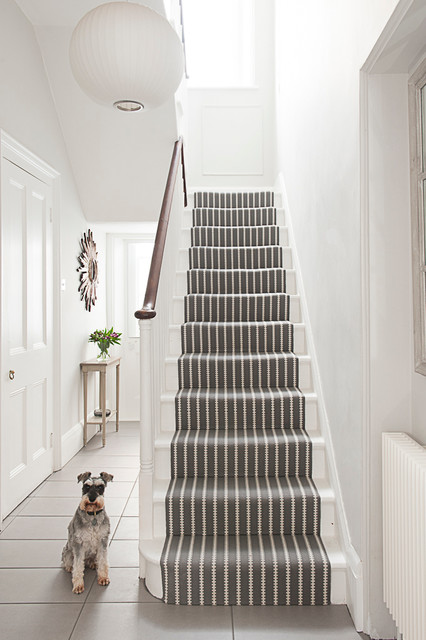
{"points": [[88, 533]]}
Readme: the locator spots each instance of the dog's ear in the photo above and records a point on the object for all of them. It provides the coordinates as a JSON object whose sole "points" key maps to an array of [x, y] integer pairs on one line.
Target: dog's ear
{"points": [[106, 477], [83, 476]]}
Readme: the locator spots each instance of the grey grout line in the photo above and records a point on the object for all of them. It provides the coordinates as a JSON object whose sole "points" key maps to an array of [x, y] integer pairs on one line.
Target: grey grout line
{"points": [[77, 619]]}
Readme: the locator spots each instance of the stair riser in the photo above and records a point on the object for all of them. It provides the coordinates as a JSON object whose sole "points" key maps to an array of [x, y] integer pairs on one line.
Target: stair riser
{"points": [[225, 218], [237, 282], [212, 372], [179, 313], [181, 287], [234, 200], [214, 308], [204, 515], [210, 412], [300, 376], [223, 455], [164, 458], [287, 260], [234, 236], [168, 415], [327, 518], [251, 585], [238, 339], [236, 258]]}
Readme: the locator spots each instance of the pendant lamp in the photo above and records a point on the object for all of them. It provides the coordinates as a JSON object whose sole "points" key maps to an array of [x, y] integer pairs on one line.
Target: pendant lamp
{"points": [[126, 55]]}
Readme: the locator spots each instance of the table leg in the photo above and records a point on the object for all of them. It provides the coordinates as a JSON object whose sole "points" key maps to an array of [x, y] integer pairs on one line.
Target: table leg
{"points": [[117, 396], [102, 385], [85, 407]]}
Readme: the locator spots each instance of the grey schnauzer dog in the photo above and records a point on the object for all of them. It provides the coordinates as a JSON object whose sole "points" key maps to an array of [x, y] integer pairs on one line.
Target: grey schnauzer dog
{"points": [[88, 533]]}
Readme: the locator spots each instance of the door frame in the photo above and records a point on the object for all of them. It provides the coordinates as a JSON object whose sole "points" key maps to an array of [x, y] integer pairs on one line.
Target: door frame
{"points": [[12, 151]]}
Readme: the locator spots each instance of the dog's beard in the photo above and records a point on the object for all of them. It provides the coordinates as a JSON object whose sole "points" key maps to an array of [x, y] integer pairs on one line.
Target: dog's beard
{"points": [[89, 507]]}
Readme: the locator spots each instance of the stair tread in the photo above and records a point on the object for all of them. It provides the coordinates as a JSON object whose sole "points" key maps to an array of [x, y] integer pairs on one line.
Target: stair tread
{"points": [[220, 217], [212, 208], [278, 452], [152, 548], [244, 357], [272, 392], [221, 296], [260, 270], [272, 434]]}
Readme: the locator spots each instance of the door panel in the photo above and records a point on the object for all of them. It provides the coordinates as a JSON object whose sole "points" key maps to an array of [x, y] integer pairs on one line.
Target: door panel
{"points": [[27, 268]]}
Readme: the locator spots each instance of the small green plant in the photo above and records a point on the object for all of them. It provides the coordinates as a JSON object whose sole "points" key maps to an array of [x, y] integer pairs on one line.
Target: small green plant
{"points": [[104, 339]]}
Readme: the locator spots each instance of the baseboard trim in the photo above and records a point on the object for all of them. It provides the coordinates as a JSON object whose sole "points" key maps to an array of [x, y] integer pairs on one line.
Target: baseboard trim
{"points": [[72, 441]]}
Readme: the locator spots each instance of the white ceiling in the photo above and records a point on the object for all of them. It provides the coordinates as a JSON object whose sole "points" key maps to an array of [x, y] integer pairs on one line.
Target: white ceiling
{"points": [[119, 160], [66, 13]]}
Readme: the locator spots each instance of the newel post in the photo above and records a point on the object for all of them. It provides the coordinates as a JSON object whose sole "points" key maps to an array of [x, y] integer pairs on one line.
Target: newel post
{"points": [[146, 434]]}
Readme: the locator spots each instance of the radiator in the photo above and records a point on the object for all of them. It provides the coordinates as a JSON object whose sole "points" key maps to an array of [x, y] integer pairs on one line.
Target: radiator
{"points": [[404, 533]]}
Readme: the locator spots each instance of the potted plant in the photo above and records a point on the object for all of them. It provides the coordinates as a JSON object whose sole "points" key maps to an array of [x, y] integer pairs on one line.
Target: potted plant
{"points": [[104, 339]]}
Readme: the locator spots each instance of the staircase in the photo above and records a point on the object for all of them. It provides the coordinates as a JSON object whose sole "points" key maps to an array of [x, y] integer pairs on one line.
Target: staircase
{"points": [[242, 512]]}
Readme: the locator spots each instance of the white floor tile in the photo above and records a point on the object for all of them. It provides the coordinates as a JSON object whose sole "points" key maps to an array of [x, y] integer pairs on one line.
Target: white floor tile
{"points": [[38, 621], [154, 622]]}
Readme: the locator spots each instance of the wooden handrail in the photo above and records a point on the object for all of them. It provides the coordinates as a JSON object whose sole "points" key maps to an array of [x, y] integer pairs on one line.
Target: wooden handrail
{"points": [[148, 308]]}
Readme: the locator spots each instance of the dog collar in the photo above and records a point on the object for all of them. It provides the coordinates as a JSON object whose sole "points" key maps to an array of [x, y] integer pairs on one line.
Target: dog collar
{"points": [[93, 513]]}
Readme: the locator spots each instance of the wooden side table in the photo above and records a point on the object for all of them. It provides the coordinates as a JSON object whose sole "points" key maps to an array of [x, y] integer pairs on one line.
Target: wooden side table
{"points": [[101, 366]]}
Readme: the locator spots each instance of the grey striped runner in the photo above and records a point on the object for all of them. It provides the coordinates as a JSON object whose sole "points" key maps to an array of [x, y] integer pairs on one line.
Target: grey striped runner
{"points": [[242, 511]]}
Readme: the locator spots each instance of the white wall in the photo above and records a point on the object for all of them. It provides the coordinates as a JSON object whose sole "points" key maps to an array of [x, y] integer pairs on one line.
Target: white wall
{"points": [[231, 131], [390, 304], [27, 113], [397, 394], [321, 48]]}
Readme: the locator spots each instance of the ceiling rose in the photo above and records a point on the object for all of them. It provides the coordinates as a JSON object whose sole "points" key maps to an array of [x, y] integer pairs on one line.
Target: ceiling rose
{"points": [[126, 55]]}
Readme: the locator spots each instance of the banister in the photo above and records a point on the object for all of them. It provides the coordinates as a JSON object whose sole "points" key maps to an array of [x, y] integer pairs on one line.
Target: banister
{"points": [[148, 309]]}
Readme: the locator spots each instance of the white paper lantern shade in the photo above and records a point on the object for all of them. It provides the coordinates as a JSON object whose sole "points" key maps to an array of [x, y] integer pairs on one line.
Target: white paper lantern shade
{"points": [[127, 55]]}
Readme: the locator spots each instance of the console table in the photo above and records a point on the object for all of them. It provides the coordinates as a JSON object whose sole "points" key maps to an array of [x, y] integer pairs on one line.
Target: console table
{"points": [[101, 366]]}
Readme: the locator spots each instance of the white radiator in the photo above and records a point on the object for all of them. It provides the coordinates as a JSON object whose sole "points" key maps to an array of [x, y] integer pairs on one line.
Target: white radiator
{"points": [[404, 533]]}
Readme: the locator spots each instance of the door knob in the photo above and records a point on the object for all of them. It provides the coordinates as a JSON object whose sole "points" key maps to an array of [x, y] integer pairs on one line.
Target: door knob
{"points": [[11, 375]]}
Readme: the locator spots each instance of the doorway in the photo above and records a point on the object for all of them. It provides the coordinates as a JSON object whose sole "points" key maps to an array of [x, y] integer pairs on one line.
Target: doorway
{"points": [[27, 323]]}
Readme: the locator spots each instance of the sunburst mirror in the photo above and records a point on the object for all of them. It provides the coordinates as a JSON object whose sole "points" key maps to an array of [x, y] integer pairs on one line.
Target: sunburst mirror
{"points": [[88, 270]]}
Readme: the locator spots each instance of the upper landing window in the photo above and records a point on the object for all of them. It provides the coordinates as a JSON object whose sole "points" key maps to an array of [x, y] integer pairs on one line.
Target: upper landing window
{"points": [[219, 42], [417, 94]]}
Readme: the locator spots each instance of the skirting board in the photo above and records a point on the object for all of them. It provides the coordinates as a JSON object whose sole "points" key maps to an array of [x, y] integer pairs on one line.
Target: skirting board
{"points": [[354, 574], [72, 441]]}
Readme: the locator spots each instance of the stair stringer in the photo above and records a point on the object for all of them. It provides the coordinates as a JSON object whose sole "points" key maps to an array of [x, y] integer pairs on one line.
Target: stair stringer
{"points": [[151, 550], [349, 558]]}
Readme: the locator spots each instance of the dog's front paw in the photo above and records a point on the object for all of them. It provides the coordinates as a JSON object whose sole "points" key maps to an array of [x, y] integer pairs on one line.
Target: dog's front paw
{"points": [[68, 567], [103, 580], [78, 587]]}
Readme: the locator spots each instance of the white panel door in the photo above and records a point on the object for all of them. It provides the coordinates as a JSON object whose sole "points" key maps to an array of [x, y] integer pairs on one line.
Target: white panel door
{"points": [[27, 356]]}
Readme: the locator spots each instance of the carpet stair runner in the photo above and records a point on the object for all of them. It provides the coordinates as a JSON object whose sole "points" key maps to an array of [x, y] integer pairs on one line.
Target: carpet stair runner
{"points": [[242, 510]]}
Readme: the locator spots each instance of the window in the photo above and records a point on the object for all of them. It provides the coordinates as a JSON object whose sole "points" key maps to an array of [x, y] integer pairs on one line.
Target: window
{"points": [[417, 95], [219, 42]]}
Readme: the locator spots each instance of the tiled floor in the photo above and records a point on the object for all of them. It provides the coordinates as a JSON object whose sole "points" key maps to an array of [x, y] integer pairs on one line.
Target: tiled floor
{"points": [[36, 600]]}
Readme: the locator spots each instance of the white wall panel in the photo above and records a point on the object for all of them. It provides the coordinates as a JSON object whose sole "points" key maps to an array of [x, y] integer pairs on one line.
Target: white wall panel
{"points": [[232, 140]]}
